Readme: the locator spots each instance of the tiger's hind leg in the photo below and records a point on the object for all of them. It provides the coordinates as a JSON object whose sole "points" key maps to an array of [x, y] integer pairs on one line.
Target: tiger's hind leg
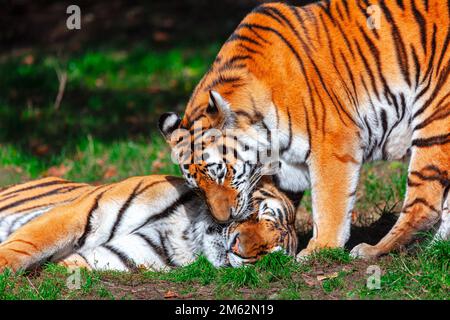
{"points": [[428, 181], [53, 234]]}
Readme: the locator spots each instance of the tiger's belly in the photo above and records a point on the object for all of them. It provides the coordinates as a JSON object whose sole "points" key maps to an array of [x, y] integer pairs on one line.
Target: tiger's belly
{"points": [[292, 177], [386, 133], [398, 143]]}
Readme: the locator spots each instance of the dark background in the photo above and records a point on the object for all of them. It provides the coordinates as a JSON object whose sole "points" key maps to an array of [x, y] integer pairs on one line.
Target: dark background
{"points": [[41, 24], [130, 62]]}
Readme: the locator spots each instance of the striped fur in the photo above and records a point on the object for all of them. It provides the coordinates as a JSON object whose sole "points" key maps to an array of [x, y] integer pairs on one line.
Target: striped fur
{"points": [[338, 93], [154, 222]]}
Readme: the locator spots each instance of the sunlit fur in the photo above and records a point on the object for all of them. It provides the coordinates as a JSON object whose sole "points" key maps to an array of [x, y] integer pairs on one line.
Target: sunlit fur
{"points": [[340, 93], [153, 222]]}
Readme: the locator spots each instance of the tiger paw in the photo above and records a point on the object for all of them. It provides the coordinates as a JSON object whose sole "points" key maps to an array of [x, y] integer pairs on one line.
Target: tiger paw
{"points": [[365, 251], [304, 255]]}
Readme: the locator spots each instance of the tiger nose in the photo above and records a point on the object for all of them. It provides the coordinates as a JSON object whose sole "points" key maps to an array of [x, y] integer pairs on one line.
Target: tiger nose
{"points": [[220, 212]]}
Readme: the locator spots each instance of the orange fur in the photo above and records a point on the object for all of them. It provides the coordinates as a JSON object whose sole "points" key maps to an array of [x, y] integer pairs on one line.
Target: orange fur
{"points": [[62, 230], [320, 67]]}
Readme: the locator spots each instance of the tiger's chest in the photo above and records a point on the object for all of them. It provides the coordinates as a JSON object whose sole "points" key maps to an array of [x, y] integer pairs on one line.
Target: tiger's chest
{"points": [[293, 173]]}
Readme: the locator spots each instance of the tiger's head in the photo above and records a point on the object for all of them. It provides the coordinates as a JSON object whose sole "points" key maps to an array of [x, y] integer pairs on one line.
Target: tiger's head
{"points": [[216, 156], [269, 228]]}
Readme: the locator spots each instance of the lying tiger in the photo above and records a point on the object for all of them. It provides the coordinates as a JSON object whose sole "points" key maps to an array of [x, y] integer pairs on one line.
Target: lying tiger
{"points": [[154, 222]]}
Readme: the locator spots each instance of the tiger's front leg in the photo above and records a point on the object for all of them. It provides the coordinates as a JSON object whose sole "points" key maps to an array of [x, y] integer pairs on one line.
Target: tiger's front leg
{"points": [[334, 178]]}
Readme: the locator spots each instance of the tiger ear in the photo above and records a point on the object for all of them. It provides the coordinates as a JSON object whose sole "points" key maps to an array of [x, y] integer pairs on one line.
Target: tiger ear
{"points": [[220, 109], [168, 123]]}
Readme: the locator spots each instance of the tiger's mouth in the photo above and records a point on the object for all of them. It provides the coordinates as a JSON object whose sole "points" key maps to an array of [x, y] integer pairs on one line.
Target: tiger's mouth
{"points": [[237, 258]]}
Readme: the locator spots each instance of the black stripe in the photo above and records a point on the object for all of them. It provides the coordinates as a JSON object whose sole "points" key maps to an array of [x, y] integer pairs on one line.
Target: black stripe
{"points": [[243, 46], [444, 49], [428, 103], [308, 129], [127, 262], [413, 184], [338, 9], [335, 64], [432, 141], [350, 74], [238, 37], [230, 64], [221, 79], [384, 123], [431, 65], [326, 8], [122, 210], [88, 228], [437, 175], [401, 4], [185, 197], [422, 24], [85, 259], [400, 48], [163, 245], [335, 101], [266, 11], [145, 188], [435, 116], [156, 248], [376, 55], [40, 185], [40, 196], [347, 10], [416, 65], [368, 71], [266, 193], [419, 201], [324, 109], [289, 144]]}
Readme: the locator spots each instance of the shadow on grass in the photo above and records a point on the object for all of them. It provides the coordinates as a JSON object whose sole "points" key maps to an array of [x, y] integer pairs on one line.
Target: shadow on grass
{"points": [[370, 234]]}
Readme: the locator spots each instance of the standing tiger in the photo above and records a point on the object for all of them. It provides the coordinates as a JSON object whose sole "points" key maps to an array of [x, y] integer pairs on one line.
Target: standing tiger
{"points": [[343, 82], [153, 221]]}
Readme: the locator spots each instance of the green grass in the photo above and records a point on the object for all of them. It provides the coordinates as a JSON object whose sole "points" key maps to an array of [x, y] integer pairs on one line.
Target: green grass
{"points": [[51, 284], [201, 271], [330, 256], [270, 268], [421, 274]]}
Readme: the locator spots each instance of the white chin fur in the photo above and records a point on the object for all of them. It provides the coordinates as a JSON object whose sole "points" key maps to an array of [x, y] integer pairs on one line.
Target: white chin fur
{"points": [[235, 261]]}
